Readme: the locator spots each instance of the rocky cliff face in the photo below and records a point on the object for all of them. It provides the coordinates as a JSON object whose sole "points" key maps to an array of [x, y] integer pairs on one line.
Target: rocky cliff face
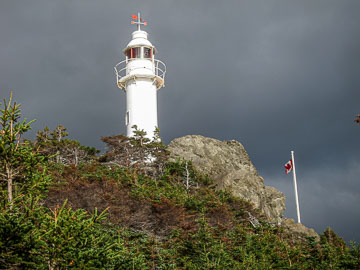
{"points": [[230, 166], [228, 163]]}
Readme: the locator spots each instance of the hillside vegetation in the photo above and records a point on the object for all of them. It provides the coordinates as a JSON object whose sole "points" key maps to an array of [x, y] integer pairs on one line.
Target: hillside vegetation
{"points": [[64, 206]]}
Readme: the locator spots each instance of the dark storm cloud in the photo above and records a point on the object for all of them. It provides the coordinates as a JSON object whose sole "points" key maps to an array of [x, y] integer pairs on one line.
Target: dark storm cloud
{"points": [[275, 75]]}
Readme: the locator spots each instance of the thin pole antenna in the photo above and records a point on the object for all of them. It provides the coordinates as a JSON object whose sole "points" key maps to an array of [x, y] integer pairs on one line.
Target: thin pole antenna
{"points": [[139, 22], [295, 187]]}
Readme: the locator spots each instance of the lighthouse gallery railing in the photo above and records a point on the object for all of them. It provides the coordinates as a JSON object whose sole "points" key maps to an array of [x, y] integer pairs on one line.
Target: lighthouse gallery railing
{"points": [[121, 70]]}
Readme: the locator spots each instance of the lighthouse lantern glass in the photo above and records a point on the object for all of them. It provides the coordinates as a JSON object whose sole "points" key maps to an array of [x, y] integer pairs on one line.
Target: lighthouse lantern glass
{"points": [[139, 52], [147, 52], [136, 52]]}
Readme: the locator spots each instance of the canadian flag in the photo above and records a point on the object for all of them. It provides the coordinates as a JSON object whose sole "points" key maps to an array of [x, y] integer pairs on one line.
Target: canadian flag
{"points": [[288, 166]]}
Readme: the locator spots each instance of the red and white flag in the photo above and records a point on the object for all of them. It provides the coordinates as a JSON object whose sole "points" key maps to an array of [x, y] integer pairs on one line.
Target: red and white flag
{"points": [[288, 166]]}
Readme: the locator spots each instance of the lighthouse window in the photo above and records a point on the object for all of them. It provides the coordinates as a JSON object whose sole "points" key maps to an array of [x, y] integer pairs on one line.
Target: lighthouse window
{"points": [[136, 52], [127, 118], [147, 52]]}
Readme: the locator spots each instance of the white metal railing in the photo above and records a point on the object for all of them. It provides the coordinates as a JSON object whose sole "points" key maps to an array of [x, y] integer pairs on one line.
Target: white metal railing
{"points": [[121, 70]]}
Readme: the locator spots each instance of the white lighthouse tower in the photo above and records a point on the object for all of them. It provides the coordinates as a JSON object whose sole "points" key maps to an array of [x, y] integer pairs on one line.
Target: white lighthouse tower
{"points": [[140, 75]]}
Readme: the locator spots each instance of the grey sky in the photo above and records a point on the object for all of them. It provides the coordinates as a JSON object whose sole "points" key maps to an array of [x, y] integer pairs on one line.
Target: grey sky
{"points": [[276, 75]]}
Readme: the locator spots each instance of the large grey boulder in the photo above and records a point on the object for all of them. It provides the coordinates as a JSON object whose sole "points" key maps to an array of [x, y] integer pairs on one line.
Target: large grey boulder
{"points": [[228, 163]]}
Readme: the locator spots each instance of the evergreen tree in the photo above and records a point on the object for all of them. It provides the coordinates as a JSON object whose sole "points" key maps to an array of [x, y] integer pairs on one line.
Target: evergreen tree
{"points": [[139, 138], [57, 135], [43, 136], [138, 152], [63, 150], [13, 153]]}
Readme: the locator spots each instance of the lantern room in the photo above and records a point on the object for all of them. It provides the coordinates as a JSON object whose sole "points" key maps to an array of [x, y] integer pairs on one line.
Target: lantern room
{"points": [[140, 62], [139, 47]]}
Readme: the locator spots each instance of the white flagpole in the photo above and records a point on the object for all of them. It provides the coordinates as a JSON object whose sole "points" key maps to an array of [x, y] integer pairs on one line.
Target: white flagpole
{"points": [[295, 187]]}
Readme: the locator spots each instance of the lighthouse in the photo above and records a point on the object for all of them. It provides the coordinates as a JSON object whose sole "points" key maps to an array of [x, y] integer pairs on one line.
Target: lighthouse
{"points": [[140, 75]]}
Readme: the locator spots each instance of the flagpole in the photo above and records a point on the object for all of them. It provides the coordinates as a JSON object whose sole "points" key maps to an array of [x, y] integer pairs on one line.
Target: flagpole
{"points": [[295, 187]]}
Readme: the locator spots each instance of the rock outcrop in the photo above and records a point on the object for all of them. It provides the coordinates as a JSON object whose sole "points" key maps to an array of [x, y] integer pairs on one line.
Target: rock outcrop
{"points": [[297, 230], [228, 163], [230, 166]]}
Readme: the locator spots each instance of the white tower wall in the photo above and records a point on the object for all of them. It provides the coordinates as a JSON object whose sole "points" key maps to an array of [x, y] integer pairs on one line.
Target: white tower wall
{"points": [[141, 106]]}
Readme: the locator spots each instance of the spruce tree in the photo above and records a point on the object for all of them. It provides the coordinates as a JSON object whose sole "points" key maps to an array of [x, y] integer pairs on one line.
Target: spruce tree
{"points": [[13, 153]]}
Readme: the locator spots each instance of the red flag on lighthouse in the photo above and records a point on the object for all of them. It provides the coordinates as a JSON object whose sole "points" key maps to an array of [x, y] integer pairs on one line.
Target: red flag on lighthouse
{"points": [[288, 166]]}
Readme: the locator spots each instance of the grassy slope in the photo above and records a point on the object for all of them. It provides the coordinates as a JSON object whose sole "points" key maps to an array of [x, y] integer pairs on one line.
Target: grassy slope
{"points": [[161, 225]]}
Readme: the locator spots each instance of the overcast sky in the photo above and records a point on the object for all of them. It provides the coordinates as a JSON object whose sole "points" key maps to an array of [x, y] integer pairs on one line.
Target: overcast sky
{"points": [[276, 75]]}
